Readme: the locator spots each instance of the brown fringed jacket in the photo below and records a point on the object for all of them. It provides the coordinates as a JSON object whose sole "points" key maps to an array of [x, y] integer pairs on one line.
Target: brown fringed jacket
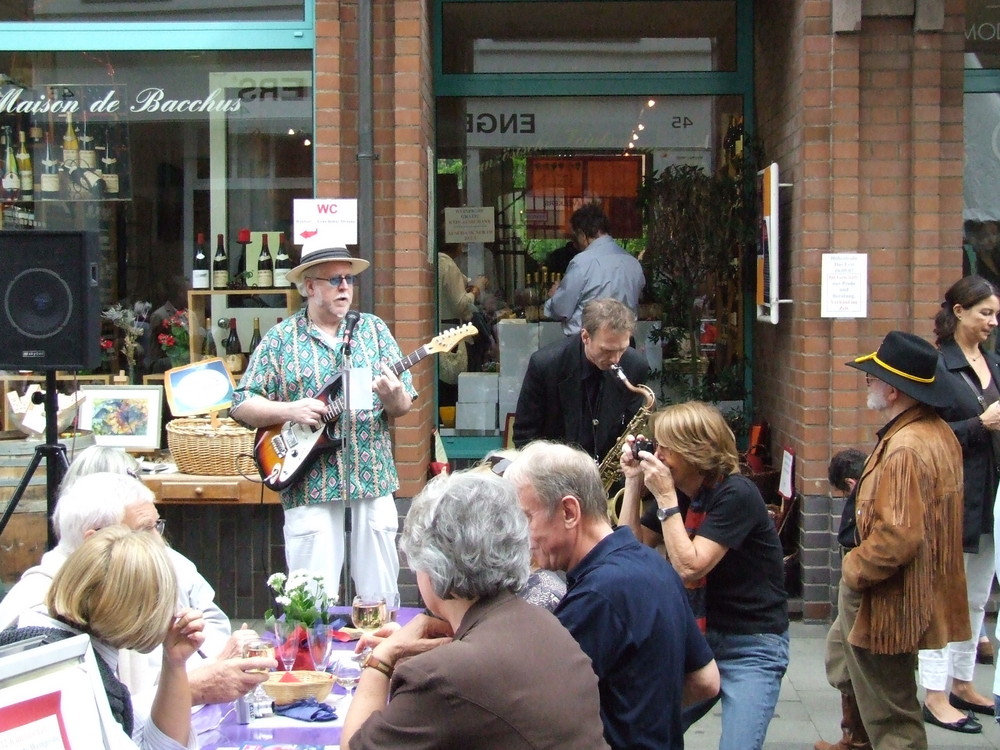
{"points": [[909, 563]]}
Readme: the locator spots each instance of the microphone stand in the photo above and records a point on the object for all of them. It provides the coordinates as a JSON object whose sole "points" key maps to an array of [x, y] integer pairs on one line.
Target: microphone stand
{"points": [[345, 475]]}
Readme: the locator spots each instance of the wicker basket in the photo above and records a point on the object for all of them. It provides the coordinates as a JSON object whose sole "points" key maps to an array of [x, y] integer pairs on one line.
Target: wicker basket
{"points": [[310, 685], [199, 448]]}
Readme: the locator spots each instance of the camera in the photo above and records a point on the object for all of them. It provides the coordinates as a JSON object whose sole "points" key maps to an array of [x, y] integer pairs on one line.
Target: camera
{"points": [[642, 444]]}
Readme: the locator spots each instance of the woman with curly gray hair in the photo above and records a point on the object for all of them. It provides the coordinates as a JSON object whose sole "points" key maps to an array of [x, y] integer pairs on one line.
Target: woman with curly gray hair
{"points": [[505, 673]]}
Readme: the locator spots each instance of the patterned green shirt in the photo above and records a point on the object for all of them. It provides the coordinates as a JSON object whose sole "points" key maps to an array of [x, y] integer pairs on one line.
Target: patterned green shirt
{"points": [[294, 360]]}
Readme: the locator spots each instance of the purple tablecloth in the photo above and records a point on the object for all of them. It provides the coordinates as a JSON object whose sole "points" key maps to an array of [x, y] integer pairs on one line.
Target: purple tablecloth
{"points": [[217, 728]]}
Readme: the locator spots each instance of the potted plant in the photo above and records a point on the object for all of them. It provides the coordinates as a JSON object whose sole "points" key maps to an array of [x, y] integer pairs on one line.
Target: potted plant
{"points": [[699, 229]]}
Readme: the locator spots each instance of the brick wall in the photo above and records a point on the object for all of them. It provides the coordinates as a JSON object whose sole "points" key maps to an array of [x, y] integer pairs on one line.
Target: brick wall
{"points": [[867, 126]]}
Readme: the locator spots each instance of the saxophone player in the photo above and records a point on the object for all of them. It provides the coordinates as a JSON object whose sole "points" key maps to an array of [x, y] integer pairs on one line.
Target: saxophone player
{"points": [[570, 393]]}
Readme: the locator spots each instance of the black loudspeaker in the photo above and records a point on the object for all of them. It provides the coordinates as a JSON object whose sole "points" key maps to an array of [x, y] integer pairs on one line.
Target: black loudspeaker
{"points": [[50, 313]]}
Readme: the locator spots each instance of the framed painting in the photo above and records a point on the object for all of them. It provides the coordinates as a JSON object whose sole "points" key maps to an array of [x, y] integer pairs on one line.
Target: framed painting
{"points": [[124, 416]]}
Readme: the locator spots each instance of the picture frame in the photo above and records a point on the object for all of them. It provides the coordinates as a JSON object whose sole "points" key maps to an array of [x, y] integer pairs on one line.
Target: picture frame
{"points": [[123, 416]]}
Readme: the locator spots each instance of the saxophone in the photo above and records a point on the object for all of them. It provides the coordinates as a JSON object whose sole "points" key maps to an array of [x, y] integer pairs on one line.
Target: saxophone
{"points": [[610, 466]]}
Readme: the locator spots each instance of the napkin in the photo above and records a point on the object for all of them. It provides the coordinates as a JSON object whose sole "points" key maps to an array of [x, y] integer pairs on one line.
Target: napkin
{"points": [[307, 709]]}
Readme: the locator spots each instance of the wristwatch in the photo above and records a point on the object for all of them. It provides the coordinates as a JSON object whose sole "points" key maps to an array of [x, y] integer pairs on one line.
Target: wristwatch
{"points": [[381, 666], [662, 514]]}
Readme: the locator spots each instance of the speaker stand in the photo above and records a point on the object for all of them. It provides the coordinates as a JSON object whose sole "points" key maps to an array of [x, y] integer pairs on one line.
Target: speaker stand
{"points": [[54, 453]]}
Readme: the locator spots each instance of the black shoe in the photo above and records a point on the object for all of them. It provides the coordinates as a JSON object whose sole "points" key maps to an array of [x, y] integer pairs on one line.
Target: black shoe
{"points": [[968, 725], [963, 705]]}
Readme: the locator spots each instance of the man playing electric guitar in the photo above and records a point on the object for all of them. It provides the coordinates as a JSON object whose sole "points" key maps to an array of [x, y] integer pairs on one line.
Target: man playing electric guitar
{"points": [[284, 381]]}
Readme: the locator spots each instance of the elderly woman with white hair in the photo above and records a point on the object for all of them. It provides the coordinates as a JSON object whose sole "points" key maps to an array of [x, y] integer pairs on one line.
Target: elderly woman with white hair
{"points": [[487, 669]]}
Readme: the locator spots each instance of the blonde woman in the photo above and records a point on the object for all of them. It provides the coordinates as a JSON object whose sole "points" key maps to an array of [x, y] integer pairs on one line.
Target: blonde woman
{"points": [[119, 588], [721, 541]]}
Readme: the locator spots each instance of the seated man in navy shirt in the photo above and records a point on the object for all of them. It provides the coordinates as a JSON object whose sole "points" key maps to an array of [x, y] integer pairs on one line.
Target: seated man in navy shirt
{"points": [[624, 603]]}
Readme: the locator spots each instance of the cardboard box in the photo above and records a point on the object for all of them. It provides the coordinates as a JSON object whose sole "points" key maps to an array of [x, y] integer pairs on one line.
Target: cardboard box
{"points": [[476, 416], [478, 387]]}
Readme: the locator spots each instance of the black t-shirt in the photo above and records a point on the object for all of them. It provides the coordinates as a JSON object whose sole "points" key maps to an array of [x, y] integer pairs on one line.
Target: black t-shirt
{"points": [[745, 591]]}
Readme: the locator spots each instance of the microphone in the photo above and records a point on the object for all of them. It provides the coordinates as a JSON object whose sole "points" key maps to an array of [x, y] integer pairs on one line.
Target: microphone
{"points": [[351, 320]]}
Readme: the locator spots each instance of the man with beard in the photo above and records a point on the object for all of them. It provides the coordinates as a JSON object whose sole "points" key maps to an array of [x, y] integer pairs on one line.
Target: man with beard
{"points": [[903, 586]]}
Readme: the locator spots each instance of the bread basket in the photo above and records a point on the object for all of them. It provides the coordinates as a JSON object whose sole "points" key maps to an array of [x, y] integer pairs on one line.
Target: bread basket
{"points": [[198, 447], [310, 685]]}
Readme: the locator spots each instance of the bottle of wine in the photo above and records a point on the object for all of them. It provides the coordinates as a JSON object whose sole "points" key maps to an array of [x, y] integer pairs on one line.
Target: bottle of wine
{"points": [[109, 165], [71, 144], [255, 337], [265, 265], [50, 171], [84, 181], [37, 154], [208, 350], [88, 156], [24, 168], [282, 263], [10, 184], [220, 265], [200, 274], [233, 345]]}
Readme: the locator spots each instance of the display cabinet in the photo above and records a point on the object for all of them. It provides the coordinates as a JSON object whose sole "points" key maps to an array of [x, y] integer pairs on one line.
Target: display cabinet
{"points": [[242, 304]]}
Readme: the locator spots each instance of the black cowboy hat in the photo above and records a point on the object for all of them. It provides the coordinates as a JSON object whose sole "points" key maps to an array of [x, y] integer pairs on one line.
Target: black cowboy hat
{"points": [[909, 364]]}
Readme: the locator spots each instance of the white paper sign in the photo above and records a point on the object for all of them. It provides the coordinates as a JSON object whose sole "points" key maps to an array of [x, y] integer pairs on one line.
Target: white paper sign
{"points": [[334, 218], [844, 286], [359, 385], [786, 484], [472, 224]]}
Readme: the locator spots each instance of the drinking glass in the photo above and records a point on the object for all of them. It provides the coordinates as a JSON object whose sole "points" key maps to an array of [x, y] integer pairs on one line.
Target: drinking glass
{"points": [[347, 672], [257, 647], [369, 612], [391, 604], [287, 645], [320, 645]]}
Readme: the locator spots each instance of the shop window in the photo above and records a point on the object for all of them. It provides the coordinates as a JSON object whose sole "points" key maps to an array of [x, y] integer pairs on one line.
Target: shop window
{"points": [[153, 149], [151, 11], [589, 37]]}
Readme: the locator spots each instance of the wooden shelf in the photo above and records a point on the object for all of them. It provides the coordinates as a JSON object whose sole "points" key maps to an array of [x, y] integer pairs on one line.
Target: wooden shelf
{"points": [[199, 301]]}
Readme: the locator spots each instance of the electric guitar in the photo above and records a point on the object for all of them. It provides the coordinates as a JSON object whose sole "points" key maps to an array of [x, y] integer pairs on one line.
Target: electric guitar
{"points": [[284, 452]]}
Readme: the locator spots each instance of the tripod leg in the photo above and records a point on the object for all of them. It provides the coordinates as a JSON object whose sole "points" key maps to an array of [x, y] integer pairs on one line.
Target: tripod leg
{"points": [[21, 487]]}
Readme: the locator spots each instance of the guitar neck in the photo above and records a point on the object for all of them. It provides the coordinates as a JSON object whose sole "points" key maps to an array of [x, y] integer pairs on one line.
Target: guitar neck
{"points": [[336, 407]]}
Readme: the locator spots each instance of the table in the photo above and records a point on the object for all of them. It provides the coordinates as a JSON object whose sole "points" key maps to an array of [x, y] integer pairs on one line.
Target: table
{"points": [[218, 730]]}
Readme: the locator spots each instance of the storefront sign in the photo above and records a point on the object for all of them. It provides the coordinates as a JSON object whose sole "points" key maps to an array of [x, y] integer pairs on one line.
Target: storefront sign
{"points": [[335, 218], [472, 224]]}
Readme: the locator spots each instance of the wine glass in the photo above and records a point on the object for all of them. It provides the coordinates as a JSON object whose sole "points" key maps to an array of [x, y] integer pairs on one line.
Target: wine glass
{"points": [[347, 672], [320, 645], [369, 612], [249, 649], [287, 646], [391, 604]]}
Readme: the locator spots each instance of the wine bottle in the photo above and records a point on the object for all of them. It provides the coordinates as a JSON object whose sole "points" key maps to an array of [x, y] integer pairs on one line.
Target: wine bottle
{"points": [[208, 350], [10, 184], [88, 156], [200, 274], [233, 345], [50, 171], [37, 154], [255, 337], [24, 168], [84, 181], [109, 165], [71, 145], [265, 265], [282, 263], [220, 265]]}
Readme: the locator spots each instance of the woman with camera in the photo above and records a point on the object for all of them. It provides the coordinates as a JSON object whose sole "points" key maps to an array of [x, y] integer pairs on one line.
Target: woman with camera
{"points": [[720, 540]]}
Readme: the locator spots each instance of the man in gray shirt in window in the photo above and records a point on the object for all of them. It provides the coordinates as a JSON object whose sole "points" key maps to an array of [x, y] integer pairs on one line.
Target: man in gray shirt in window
{"points": [[601, 269]]}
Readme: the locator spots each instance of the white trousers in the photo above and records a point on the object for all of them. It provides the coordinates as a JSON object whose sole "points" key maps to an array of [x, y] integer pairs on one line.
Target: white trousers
{"points": [[958, 659], [314, 541]]}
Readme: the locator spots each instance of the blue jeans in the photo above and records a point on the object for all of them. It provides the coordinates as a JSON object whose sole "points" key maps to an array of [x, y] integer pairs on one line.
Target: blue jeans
{"points": [[750, 669]]}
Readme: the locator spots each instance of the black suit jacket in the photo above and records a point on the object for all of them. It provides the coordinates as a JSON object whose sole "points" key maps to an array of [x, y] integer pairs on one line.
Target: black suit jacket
{"points": [[551, 404], [979, 465]]}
